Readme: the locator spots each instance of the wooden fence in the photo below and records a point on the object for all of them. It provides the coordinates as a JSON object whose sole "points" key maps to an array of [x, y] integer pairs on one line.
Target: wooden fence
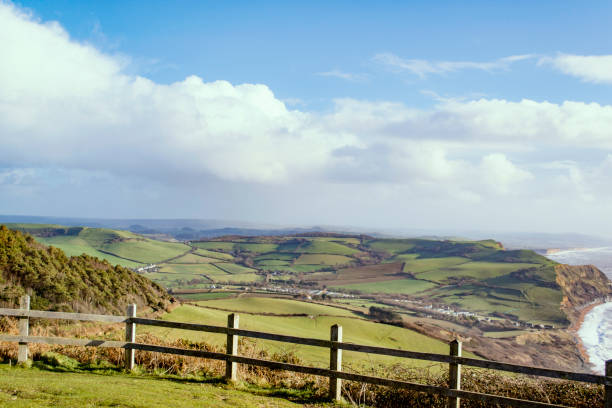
{"points": [[335, 345]]}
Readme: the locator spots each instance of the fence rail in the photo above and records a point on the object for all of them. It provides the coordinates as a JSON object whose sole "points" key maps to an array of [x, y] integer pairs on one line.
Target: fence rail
{"points": [[335, 374]]}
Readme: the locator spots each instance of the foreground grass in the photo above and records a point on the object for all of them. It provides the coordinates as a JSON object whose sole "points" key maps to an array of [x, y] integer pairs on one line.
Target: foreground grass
{"points": [[33, 387]]}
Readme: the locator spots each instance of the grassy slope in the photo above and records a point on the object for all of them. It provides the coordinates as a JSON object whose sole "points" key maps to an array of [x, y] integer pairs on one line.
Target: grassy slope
{"points": [[33, 388], [120, 244], [355, 330]]}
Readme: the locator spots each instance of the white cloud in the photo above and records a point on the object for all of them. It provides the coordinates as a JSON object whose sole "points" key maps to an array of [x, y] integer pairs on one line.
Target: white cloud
{"points": [[423, 68], [501, 174], [67, 106], [347, 76], [589, 68]]}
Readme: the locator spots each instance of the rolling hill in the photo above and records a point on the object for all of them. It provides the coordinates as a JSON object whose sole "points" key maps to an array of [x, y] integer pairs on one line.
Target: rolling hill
{"points": [[78, 283]]}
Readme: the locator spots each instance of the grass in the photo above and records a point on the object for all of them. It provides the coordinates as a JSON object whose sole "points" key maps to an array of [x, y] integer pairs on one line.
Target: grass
{"points": [[75, 246], [194, 297], [35, 388], [121, 245], [403, 286], [195, 269], [234, 268], [255, 247], [238, 278], [220, 245], [355, 330], [477, 270], [255, 304], [416, 265], [393, 246], [505, 334], [327, 247], [322, 259], [194, 259], [213, 254]]}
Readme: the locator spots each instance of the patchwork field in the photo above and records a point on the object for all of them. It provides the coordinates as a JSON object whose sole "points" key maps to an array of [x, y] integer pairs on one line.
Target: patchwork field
{"points": [[317, 325], [476, 276]]}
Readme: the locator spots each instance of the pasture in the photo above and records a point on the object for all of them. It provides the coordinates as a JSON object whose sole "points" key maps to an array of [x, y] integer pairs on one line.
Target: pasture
{"points": [[316, 326]]}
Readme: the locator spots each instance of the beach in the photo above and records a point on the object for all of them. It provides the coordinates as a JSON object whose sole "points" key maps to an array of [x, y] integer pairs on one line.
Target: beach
{"points": [[594, 326]]}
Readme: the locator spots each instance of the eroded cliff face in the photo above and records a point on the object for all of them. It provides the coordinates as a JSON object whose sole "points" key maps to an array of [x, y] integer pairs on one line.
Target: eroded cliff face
{"points": [[581, 285]]}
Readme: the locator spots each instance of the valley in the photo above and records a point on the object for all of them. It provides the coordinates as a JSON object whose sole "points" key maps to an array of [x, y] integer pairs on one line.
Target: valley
{"points": [[511, 305]]}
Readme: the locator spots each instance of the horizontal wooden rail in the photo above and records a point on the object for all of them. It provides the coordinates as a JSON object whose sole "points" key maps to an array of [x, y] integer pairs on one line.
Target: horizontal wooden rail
{"points": [[275, 365], [179, 325], [474, 362], [63, 315], [453, 392]]}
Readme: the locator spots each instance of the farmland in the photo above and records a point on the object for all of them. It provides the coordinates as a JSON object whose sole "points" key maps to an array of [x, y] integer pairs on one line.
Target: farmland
{"points": [[478, 277], [308, 320]]}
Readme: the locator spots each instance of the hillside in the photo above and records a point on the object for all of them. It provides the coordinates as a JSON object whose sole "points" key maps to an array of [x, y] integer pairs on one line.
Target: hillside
{"points": [[477, 277], [78, 283], [118, 247]]}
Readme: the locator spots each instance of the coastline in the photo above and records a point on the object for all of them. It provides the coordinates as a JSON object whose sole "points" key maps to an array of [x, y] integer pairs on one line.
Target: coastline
{"points": [[577, 325]]}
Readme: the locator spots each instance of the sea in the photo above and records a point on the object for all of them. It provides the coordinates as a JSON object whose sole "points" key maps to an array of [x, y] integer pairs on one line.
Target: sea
{"points": [[596, 330]]}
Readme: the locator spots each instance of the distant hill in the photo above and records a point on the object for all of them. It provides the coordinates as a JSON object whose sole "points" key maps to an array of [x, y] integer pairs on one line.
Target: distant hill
{"points": [[79, 283], [118, 247]]}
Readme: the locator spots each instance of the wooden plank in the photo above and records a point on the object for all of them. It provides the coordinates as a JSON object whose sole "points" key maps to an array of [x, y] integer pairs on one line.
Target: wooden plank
{"points": [[62, 315], [395, 352], [180, 325], [130, 337], [283, 366], [542, 372], [231, 367], [608, 385], [274, 365], [178, 351], [281, 337], [335, 363], [63, 341], [454, 374], [432, 389], [494, 365], [24, 329]]}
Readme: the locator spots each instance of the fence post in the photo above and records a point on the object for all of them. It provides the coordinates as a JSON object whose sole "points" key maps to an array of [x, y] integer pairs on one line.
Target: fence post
{"points": [[335, 364], [24, 329], [232, 348], [454, 374], [130, 336], [608, 403]]}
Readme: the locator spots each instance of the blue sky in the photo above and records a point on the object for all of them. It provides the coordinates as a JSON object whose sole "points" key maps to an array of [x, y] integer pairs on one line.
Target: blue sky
{"points": [[443, 115], [286, 44]]}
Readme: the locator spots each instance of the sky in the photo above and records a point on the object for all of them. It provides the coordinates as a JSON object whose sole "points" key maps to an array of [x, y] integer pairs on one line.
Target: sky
{"points": [[447, 116]]}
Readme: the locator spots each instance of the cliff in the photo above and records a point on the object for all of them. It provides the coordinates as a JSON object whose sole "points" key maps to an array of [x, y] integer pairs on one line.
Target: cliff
{"points": [[581, 285]]}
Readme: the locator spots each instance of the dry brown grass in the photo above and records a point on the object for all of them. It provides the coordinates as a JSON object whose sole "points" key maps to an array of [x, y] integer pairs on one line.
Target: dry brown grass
{"points": [[567, 393]]}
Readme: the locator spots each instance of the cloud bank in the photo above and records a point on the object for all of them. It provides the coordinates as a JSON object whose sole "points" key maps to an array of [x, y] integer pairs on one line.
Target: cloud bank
{"points": [[72, 118]]}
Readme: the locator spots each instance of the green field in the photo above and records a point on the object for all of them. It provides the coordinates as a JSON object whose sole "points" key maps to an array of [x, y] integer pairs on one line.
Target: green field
{"points": [[477, 270], [415, 265], [193, 259], [403, 286], [355, 330], [194, 297], [237, 278], [220, 245], [34, 388], [75, 246], [258, 248], [234, 268], [196, 269], [213, 254], [113, 245], [256, 304], [322, 259]]}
